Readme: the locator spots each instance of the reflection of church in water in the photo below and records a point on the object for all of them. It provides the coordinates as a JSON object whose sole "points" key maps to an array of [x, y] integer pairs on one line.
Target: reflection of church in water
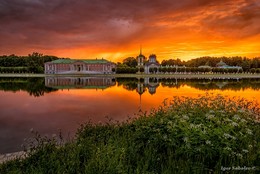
{"points": [[79, 82], [143, 84]]}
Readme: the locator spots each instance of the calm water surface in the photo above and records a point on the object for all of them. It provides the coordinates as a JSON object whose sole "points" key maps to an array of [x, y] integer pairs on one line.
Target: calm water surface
{"points": [[51, 104]]}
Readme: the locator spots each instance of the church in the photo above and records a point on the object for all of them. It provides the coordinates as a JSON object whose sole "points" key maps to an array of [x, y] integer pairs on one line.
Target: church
{"points": [[152, 66], [80, 66]]}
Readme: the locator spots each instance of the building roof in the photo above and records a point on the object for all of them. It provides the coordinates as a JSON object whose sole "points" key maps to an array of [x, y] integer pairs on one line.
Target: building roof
{"points": [[152, 63], [205, 66], [221, 63], [89, 61]]}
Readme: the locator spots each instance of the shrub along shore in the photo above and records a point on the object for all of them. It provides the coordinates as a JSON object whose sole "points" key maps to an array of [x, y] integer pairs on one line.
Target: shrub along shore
{"points": [[207, 134]]}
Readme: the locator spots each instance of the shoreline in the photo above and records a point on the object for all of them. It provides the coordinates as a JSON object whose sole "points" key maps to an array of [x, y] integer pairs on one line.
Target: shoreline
{"points": [[178, 76]]}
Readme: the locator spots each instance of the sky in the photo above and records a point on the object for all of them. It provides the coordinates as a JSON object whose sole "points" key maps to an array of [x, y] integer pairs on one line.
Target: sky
{"points": [[115, 29]]}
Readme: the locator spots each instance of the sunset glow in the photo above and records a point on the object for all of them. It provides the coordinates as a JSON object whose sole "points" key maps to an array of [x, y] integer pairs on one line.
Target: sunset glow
{"points": [[115, 29]]}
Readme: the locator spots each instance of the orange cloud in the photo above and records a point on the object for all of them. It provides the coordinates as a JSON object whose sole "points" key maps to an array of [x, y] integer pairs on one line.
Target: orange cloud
{"points": [[115, 29]]}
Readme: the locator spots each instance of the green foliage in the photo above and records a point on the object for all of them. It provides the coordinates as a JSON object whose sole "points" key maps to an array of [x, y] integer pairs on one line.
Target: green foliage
{"points": [[123, 69], [14, 70], [244, 62], [33, 63], [172, 62], [130, 61], [141, 69], [185, 135]]}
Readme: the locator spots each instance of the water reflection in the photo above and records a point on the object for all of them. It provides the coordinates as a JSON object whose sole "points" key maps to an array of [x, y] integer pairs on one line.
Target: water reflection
{"points": [[34, 86], [45, 105], [39, 86], [151, 84], [79, 82]]}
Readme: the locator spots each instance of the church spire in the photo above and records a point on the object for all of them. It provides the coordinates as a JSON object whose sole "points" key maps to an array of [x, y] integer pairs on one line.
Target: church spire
{"points": [[141, 49]]}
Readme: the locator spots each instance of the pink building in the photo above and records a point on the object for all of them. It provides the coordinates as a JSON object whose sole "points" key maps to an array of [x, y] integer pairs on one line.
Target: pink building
{"points": [[72, 66]]}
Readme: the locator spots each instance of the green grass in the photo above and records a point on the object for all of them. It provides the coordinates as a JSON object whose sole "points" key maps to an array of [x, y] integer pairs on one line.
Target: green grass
{"points": [[184, 135], [181, 76]]}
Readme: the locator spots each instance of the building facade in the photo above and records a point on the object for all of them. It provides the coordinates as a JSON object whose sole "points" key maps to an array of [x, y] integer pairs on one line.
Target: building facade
{"points": [[72, 66], [152, 66]]}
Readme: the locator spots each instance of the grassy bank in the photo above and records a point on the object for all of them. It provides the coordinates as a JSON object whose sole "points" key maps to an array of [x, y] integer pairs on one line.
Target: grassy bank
{"points": [[184, 135], [178, 76]]}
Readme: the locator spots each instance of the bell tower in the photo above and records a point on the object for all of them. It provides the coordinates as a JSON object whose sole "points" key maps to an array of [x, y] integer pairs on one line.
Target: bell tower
{"points": [[140, 60]]}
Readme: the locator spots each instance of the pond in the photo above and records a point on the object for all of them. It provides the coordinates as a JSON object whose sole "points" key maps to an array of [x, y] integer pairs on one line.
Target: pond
{"points": [[53, 104]]}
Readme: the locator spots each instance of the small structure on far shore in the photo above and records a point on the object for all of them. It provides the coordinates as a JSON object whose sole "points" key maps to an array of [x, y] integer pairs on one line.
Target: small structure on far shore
{"points": [[223, 65]]}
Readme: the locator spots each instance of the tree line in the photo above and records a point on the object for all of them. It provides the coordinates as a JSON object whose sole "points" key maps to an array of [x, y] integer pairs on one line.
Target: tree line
{"points": [[33, 63], [129, 65]]}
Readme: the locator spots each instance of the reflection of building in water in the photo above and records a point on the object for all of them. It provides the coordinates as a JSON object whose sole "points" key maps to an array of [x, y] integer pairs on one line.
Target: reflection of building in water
{"points": [[79, 82], [151, 84], [221, 84], [72, 66], [140, 89]]}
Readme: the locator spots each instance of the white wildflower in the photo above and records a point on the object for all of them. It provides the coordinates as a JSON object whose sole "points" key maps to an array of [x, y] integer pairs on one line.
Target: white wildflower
{"points": [[241, 110], [211, 111], [198, 149], [228, 120], [234, 124], [248, 131], [243, 120], [185, 139], [250, 146], [209, 116], [182, 120], [228, 149], [239, 155], [245, 151], [198, 125], [236, 117], [185, 117], [208, 142], [228, 136], [204, 132]]}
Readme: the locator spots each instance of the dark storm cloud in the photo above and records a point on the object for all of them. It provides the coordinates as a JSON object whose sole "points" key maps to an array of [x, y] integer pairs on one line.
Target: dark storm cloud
{"points": [[69, 23]]}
